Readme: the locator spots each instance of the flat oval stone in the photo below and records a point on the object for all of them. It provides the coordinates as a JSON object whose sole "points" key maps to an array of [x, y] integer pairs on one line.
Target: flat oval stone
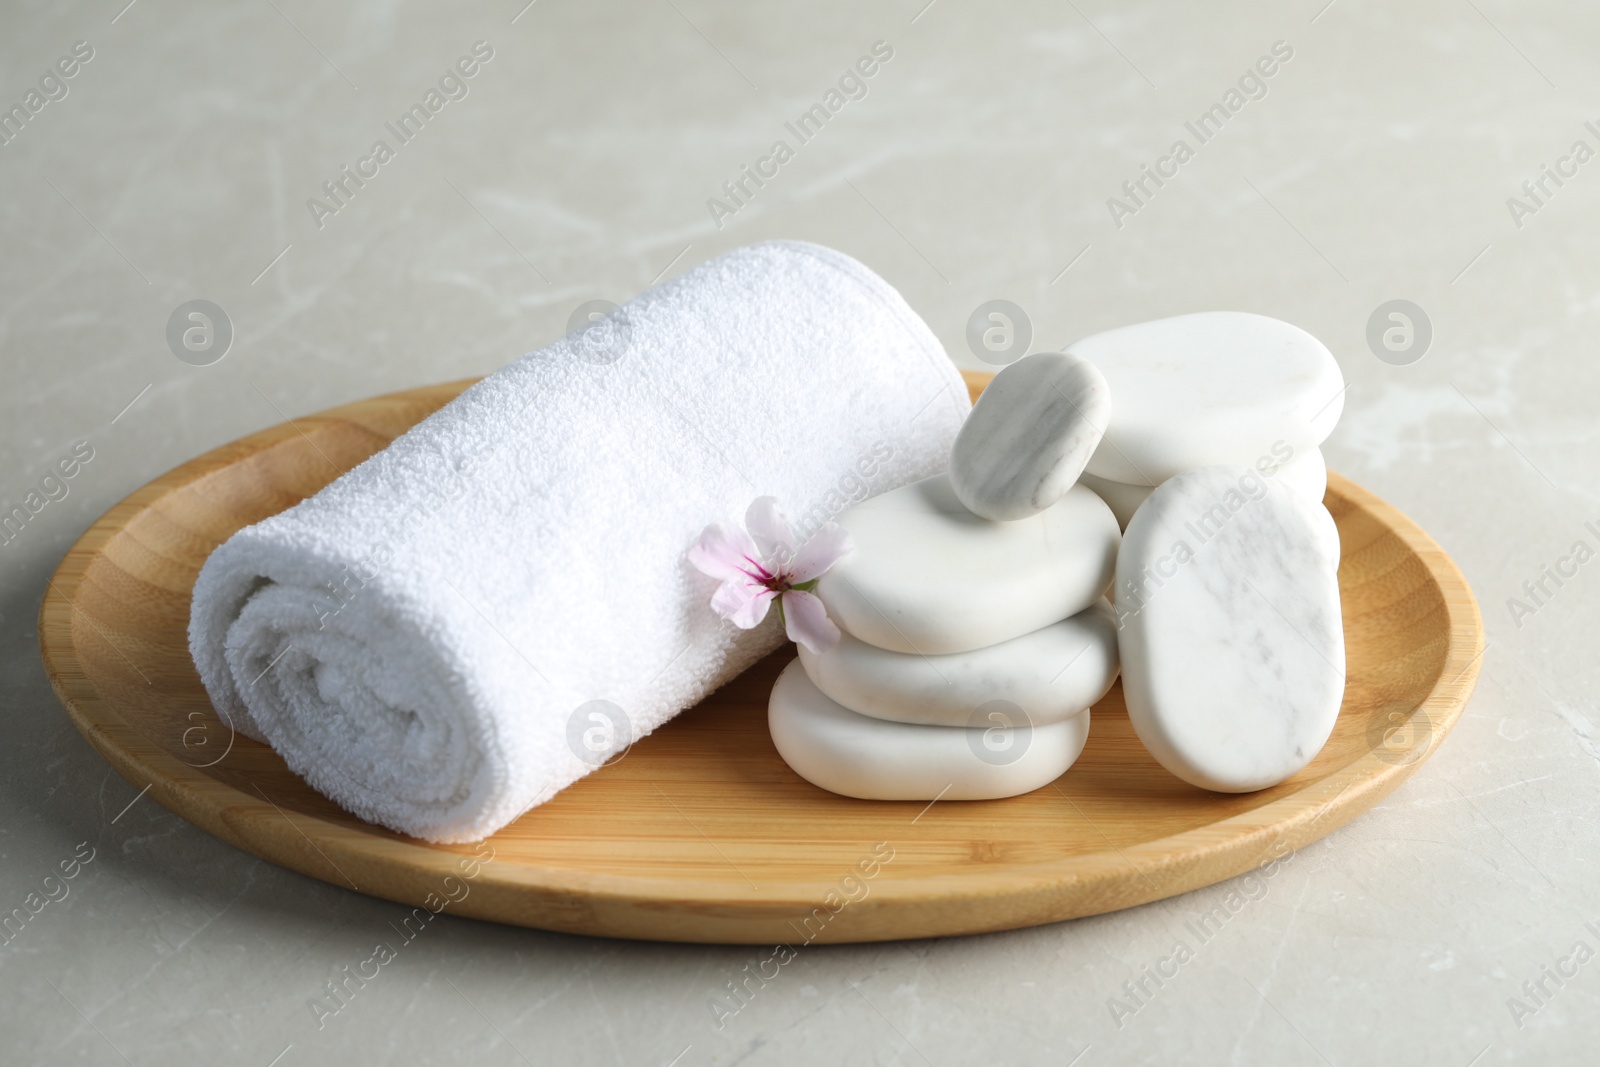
{"points": [[1305, 474], [1217, 387], [929, 577], [1229, 628], [854, 755], [1052, 674], [1029, 436]]}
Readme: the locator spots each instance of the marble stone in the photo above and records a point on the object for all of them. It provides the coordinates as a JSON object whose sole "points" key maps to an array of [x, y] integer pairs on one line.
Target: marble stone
{"points": [[928, 577], [1029, 436], [1123, 499], [1306, 474], [1229, 627], [1052, 674], [832, 747], [1215, 387], [1327, 531]]}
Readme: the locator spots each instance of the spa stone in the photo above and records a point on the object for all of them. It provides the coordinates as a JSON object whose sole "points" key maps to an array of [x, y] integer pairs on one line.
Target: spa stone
{"points": [[1123, 499], [1229, 629], [929, 577], [1216, 387], [1029, 436], [854, 755], [1306, 474], [1052, 674]]}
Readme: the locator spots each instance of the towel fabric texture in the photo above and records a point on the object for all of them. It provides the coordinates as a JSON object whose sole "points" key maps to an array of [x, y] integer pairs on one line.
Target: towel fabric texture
{"points": [[478, 615]]}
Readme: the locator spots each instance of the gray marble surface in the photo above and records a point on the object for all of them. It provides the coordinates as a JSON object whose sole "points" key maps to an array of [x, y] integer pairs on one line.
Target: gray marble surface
{"points": [[1379, 165]]}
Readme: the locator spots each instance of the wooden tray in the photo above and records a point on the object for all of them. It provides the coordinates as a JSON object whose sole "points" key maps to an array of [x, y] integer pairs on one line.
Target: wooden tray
{"points": [[701, 832]]}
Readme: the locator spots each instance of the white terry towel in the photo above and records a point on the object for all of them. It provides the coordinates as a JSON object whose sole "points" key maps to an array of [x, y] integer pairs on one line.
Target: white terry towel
{"points": [[422, 640]]}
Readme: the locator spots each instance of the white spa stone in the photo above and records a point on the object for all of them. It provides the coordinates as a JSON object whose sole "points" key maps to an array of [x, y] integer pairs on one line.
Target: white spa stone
{"points": [[1327, 533], [1230, 635], [1123, 499], [1217, 387], [858, 756], [929, 577], [1029, 436], [1306, 474], [1051, 674]]}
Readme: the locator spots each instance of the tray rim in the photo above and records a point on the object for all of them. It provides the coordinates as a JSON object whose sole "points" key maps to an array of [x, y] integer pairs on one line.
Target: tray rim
{"points": [[225, 811]]}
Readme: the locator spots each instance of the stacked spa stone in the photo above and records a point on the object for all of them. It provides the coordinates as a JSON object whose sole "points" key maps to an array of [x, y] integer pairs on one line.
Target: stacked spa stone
{"points": [[976, 633], [1227, 592], [1214, 388]]}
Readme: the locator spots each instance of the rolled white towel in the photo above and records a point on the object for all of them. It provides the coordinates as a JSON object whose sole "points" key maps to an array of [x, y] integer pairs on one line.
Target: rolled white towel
{"points": [[423, 640]]}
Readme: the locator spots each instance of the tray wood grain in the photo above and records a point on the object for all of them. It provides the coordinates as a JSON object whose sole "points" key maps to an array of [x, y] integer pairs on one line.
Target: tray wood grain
{"points": [[701, 832]]}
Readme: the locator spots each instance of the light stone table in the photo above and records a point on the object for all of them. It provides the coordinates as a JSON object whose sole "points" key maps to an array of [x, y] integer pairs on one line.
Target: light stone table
{"points": [[1427, 153]]}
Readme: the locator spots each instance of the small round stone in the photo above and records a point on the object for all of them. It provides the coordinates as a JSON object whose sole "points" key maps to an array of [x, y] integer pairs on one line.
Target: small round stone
{"points": [[1052, 674], [854, 755], [1029, 436]]}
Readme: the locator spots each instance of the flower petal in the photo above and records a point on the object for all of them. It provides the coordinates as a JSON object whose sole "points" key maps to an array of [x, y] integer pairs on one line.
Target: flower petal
{"points": [[770, 530], [742, 602], [727, 553], [827, 546], [806, 621]]}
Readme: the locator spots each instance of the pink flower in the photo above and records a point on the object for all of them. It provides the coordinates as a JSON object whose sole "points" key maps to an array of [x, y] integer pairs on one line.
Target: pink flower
{"points": [[764, 564]]}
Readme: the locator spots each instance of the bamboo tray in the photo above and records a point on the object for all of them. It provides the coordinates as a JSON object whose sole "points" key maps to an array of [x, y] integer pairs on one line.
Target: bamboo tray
{"points": [[701, 832]]}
